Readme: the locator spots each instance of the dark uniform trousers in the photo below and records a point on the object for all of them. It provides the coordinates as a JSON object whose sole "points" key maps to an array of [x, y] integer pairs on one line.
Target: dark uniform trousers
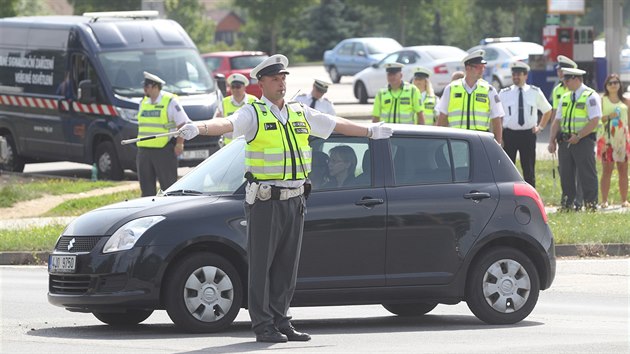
{"points": [[274, 233], [523, 141], [578, 160], [160, 163]]}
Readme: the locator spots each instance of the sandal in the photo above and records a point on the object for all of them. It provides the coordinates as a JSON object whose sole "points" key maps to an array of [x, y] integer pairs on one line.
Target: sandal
{"points": [[625, 204], [604, 205]]}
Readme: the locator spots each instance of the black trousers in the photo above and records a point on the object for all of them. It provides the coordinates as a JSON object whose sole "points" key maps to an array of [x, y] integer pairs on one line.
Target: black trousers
{"points": [[156, 163], [274, 235], [523, 142]]}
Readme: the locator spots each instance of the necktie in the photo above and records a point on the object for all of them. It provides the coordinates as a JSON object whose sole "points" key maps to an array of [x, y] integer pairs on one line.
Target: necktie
{"points": [[313, 102], [573, 97], [521, 116]]}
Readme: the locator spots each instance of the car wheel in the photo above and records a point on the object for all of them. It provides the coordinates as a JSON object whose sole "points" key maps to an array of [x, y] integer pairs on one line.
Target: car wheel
{"points": [[417, 309], [129, 317], [334, 75], [503, 286], [13, 162], [360, 92], [496, 83], [107, 162], [203, 293]]}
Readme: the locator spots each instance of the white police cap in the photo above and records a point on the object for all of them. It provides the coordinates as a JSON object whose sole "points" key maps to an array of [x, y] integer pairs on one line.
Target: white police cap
{"points": [[421, 72], [275, 64], [321, 85], [239, 78], [520, 66], [394, 67], [476, 57], [150, 77], [565, 62], [573, 71]]}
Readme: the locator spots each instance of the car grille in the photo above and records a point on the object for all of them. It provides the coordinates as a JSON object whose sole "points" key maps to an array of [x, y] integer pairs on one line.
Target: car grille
{"points": [[68, 285], [80, 244]]}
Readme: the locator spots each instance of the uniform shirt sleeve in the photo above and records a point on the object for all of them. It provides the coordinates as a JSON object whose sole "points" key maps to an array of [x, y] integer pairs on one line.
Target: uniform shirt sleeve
{"points": [[559, 111], [541, 102], [322, 124], [496, 108], [244, 122], [442, 106], [594, 106], [177, 113]]}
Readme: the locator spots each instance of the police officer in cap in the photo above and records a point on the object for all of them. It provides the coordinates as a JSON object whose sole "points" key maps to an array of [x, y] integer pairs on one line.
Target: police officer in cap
{"points": [[316, 98], [238, 98], [521, 103], [278, 162], [399, 102], [560, 89], [573, 135], [159, 113], [471, 102], [428, 99]]}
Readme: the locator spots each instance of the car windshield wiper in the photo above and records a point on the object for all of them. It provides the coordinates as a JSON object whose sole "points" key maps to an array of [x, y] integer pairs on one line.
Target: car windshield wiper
{"points": [[183, 192]]}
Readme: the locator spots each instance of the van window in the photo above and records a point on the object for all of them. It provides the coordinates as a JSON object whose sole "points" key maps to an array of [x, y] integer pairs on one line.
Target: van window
{"points": [[182, 69], [82, 69]]}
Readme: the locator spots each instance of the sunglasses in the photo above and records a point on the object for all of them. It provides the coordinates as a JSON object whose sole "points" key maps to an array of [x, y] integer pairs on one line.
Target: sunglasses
{"points": [[613, 83], [236, 86], [568, 77], [148, 84]]}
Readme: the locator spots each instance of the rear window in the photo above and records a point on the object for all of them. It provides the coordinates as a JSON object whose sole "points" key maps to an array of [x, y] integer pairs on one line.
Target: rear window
{"points": [[247, 62], [382, 45], [212, 63], [446, 52]]}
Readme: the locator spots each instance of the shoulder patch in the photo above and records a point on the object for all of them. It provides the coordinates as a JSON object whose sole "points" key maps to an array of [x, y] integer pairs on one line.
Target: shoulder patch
{"points": [[535, 87], [302, 95], [505, 89]]}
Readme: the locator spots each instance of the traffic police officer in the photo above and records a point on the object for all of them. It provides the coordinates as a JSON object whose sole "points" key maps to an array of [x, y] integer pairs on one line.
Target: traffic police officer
{"points": [[316, 98], [278, 162], [236, 100], [560, 89], [521, 103], [579, 111], [428, 99], [399, 102], [471, 102], [159, 113]]}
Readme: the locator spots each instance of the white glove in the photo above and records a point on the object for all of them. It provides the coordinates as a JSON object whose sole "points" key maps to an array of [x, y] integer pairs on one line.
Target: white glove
{"points": [[379, 131], [188, 131]]}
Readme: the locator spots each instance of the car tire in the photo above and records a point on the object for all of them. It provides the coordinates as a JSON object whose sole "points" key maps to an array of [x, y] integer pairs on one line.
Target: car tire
{"points": [[503, 286], [417, 309], [360, 92], [107, 162], [14, 163], [198, 304], [334, 75], [496, 83], [127, 318]]}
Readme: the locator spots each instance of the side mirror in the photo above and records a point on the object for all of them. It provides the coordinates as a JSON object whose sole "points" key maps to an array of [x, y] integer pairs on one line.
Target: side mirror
{"points": [[361, 53], [85, 93], [221, 83], [375, 65]]}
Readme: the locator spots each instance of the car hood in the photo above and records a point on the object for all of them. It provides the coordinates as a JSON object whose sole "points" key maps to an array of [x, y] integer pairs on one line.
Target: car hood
{"points": [[106, 220]]}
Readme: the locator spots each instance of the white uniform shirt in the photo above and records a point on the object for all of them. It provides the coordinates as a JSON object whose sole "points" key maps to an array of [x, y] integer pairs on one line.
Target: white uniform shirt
{"points": [[496, 109], [245, 122], [323, 104], [533, 101], [174, 111], [593, 104]]}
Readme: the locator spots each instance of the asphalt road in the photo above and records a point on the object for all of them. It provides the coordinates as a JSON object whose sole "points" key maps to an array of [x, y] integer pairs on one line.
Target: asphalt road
{"points": [[585, 311]]}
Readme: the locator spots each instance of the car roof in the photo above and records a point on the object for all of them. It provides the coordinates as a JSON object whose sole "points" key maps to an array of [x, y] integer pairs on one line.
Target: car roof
{"points": [[233, 53], [437, 131]]}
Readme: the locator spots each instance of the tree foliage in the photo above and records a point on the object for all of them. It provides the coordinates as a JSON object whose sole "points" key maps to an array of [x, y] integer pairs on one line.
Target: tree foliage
{"points": [[11, 8], [81, 6], [190, 14]]}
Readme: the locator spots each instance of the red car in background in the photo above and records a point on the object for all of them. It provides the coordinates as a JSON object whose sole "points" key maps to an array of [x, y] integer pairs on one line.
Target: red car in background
{"points": [[242, 62]]}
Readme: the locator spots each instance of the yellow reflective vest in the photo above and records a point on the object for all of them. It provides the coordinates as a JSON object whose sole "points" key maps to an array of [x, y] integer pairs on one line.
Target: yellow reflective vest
{"points": [[469, 111], [559, 90], [153, 120], [429, 110], [229, 107], [575, 114], [400, 108], [279, 151]]}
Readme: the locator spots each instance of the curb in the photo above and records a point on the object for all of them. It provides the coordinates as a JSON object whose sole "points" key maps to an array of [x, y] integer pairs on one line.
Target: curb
{"points": [[577, 250]]}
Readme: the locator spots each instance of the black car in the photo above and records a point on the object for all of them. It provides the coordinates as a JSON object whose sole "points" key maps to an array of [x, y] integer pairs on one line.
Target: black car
{"points": [[432, 216]]}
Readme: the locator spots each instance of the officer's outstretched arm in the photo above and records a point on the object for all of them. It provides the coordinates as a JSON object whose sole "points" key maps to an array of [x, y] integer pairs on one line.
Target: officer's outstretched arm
{"points": [[212, 127], [347, 127]]}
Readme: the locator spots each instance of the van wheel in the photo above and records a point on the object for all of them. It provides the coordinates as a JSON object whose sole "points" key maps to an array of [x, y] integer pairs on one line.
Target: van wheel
{"points": [[107, 162], [13, 163], [503, 286], [127, 318], [203, 293]]}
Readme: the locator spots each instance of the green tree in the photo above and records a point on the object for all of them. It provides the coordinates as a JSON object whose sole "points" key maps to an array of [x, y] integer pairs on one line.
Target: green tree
{"points": [[190, 14], [11, 8], [81, 6]]}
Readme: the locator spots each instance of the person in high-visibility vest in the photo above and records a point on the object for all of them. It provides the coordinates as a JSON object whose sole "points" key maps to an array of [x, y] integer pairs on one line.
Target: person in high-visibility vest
{"points": [[236, 100], [399, 102], [471, 102], [159, 112], [278, 161], [428, 99], [573, 135]]}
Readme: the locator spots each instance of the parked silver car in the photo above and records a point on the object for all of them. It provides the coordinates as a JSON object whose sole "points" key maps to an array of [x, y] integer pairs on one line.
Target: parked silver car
{"points": [[354, 54]]}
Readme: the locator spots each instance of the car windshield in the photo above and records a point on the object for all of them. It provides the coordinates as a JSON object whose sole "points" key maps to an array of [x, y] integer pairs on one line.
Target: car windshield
{"points": [[446, 52], [247, 62], [182, 69], [221, 173], [383, 45]]}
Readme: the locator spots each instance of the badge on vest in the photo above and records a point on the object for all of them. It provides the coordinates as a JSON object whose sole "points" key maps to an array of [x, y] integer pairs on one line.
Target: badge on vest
{"points": [[482, 95], [481, 99], [405, 100], [580, 105], [298, 124], [300, 131], [153, 114], [271, 126], [458, 95], [429, 105], [387, 101]]}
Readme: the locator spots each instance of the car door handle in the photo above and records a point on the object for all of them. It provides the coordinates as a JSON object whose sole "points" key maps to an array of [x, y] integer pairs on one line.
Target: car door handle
{"points": [[476, 196], [369, 202]]}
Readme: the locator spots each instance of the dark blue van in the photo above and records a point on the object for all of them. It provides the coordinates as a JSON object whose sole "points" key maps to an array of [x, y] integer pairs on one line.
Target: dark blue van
{"points": [[70, 87]]}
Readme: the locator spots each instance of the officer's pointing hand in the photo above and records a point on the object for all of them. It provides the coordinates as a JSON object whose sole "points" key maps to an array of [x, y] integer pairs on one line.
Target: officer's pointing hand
{"points": [[188, 131], [379, 131]]}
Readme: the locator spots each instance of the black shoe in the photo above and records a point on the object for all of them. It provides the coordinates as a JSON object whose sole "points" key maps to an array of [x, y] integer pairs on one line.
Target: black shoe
{"points": [[271, 335], [294, 335]]}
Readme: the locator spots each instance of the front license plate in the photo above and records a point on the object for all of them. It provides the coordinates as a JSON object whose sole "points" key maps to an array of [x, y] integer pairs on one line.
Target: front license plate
{"points": [[195, 154], [62, 264]]}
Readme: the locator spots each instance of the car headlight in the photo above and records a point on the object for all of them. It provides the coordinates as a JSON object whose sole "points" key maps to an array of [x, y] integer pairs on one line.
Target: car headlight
{"points": [[127, 235], [130, 115]]}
